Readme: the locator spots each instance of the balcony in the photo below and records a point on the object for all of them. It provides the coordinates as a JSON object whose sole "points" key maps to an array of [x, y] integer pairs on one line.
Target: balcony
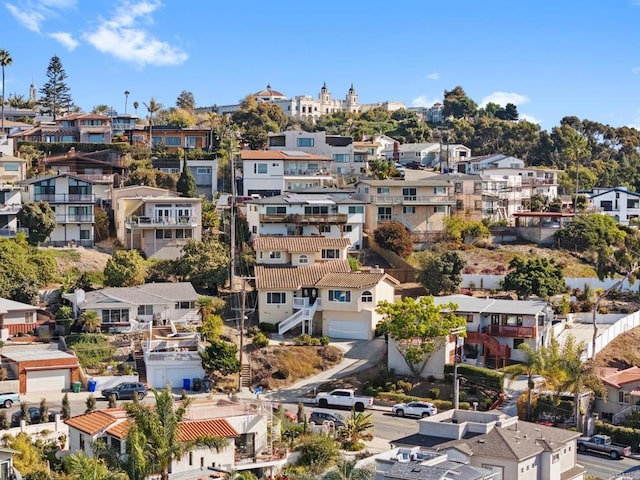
{"points": [[511, 331], [333, 218], [150, 222], [413, 199], [62, 218], [65, 197], [306, 173], [12, 232], [10, 209]]}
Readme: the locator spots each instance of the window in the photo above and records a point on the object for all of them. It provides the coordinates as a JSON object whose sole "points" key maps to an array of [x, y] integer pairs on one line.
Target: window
{"points": [[164, 234], [606, 205], [477, 204], [330, 253], [325, 229], [367, 297], [184, 305], [203, 171], [477, 187], [383, 190], [276, 210], [305, 142], [458, 188], [408, 210], [260, 168], [85, 234], [303, 260], [78, 187], [348, 228], [342, 296], [517, 342], [384, 214], [439, 190], [624, 397], [409, 194], [190, 142], [317, 210], [440, 209], [11, 167], [278, 298], [554, 459], [469, 317], [45, 187], [190, 459], [82, 442], [275, 255], [254, 229], [356, 209], [115, 316], [172, 141], [341, 157], [145, 309]]}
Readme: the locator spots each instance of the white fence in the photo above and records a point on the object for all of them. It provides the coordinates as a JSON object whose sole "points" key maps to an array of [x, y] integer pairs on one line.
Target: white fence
{"points": [[616, 328], [104, 382], [492, 282]]}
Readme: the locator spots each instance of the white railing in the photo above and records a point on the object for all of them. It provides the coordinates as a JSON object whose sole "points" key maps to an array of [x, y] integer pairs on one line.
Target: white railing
{"points": [[620, 416], [305, 314]]}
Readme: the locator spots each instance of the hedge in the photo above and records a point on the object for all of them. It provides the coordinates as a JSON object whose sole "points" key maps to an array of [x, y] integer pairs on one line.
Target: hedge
{"points": [[479, 376], [402, 398], [624, 435]]}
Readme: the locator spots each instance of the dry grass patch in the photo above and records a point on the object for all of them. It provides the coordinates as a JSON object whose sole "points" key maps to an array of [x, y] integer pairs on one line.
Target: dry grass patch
{"points": [[279, 367], [622, 352]]}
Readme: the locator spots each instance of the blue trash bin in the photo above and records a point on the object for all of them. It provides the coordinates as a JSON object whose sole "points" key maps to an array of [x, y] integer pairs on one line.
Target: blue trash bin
{"points": [[91, 385], [186, 383]]}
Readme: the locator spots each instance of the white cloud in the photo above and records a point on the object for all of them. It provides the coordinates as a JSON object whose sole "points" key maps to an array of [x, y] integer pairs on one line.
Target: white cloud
{"points": [[124, 36], [424, 101], [433, 76], [502, 98], [529, 118], [65, 39], [31, 14]]}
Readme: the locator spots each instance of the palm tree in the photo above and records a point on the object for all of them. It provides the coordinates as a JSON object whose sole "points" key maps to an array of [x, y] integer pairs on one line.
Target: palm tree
{"points": [[347, 470], [80, 465], [126, 100], [135, 106], [357, 427], [153, 442], [5, 61], [152, 107], [533, 365], [91, 321]]}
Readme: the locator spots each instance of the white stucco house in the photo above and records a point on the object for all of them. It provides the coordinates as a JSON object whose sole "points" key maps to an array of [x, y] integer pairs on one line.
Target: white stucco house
{"points": [[619, 203]]}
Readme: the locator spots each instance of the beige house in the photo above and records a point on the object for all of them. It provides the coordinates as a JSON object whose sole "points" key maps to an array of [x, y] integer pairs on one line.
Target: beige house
{"points": [[156, 221], [298, 250], [622, 394]]}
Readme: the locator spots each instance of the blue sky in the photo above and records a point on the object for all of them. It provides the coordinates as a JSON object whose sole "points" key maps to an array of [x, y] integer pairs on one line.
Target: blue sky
{"points": [[550, 57]]}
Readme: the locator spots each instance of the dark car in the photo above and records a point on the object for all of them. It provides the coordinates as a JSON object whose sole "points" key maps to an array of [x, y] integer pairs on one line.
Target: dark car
{"points": [[34, 415], [320, 418], [126, 391], [415, 165]]}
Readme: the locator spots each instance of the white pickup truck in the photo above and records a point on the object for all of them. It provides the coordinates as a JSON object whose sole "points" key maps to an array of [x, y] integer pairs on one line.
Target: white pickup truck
{"points": [[342, 397]]}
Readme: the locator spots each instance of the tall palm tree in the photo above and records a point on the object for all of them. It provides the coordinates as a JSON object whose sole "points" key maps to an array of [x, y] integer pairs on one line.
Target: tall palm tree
{"points": [[533, 364], [152, 107], [153, 442], [126, 100], [347, 470], [5, 61], [80, 465], [358, 427]]}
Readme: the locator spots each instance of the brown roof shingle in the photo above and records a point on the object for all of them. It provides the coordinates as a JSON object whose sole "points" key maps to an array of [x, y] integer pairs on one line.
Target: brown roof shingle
{"points": [[293, 278], [352, 280], [621, 377], [217, 427], [92, 423], [299, 244]]}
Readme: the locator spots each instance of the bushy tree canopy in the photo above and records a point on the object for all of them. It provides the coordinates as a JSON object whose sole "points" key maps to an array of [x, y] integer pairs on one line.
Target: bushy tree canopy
{"points": [[441, 273], [393, 236], [220, 358], [186, 183], [125, 268], [204, 263], [534, 276], [590, 232], [39, 218]]}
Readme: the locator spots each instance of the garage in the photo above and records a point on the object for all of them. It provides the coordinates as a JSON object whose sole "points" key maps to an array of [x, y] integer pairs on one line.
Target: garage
{"points": [[159, 376], [348, 329], [48, 380]]}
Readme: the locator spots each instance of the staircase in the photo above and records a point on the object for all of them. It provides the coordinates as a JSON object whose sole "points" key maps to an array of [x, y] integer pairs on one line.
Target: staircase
{"points": [[305, 314], [492, 347], [138, 358], [245, 375], [163, 331], [618, 418], [408, 225]]}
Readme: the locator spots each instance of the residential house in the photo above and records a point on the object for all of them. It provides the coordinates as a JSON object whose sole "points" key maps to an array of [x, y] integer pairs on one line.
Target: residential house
{"points": [[337, 147], [204, 171], [468, 194], [307, 214], [40, 367], [534, 181], [622, 393], [432, 114], [541, 227], [16, 317], [12, 169], [156, 221], [619, 203], [420, 205], [307, 282], [10, 205], [7, 470], [477, 165], [272, 172], [170, 360], [502, 444], [72, 199], [436, 155], [171, 137], [72, 128], [503, 196], [122, 308]]}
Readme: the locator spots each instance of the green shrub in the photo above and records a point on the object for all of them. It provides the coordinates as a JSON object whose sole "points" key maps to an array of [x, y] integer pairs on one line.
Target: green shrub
{"points": [[401, 385], [306, 339], [268, 327], [260, 340], [324, 340], [392, 397], [253, 330], [624, 435], [462, 396], [434, 393], [331, 353], [91, 349], [479, 376], [485, 403], [317, 451]]}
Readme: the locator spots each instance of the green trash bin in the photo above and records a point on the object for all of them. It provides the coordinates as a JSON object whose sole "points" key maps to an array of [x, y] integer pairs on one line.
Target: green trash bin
{"points": [[76, 387]]}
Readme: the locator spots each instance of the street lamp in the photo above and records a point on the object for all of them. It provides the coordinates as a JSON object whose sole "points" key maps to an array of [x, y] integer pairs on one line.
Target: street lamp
{"points": [[456, 383]]}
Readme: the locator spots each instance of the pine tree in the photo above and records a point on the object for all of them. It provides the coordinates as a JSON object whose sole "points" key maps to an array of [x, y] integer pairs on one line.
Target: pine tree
{"points": [[56, 95], [186, 183], [66, 407]]}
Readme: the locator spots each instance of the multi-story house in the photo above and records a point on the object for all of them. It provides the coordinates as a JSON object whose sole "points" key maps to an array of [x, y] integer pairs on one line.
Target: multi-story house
{"points": [[72, 199], [10, 205], [12, 169], [156, 221], [336, 147], [307, 282], [271, 172], [307, 215], [468, 194], [436, 155], [169, 136], [420, 205], [619, 203], [500, 443], [476, 165], [73, 128], [204, 171], [622, 392], [503, 196]]}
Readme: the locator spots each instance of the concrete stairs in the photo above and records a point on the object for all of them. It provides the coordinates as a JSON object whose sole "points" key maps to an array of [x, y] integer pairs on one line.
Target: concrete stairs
{"points": [[245, 375]]}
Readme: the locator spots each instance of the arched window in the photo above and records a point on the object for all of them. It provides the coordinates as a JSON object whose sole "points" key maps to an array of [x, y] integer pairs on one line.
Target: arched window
{"points": [[303, 260], [367, 297]]}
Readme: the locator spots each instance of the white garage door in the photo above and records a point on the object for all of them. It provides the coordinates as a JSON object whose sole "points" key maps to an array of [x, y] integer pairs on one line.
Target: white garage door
{"points": [[48, 380], [349, 330]]}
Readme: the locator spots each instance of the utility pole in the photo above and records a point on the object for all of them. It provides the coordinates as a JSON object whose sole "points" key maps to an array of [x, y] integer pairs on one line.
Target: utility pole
{"points": [[232, 219], [243, 311], [456, 381]]}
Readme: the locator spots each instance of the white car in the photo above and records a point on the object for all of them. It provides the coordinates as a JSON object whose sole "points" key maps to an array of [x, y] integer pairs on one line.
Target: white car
{"points": [[418, 409]]}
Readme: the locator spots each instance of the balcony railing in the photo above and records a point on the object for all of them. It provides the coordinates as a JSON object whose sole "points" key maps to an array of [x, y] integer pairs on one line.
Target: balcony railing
{"points": [[306, 173], [62, 218], [12, 232], [511, 331], [65, 197], [302, 218], [413, 199], [148, 222], [10, 209]]}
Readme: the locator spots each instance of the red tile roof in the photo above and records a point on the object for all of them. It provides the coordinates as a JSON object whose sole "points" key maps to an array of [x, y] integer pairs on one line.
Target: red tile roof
{"points": [[215, 427], [622, 377], [120, 430], [299, 244], [293, 278], [92, 423], [353, 280]]}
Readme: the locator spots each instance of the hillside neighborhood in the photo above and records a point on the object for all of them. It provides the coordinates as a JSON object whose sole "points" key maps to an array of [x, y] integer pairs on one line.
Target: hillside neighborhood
{"points": [[195, 299]]}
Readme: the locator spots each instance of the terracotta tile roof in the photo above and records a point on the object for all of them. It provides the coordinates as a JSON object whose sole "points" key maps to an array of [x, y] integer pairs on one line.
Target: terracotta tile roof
{"points": [[219, 427], [299, 244], [278, 155], [92, 423], [293, 278], [353, 279], [120, 430], [622, 377]]}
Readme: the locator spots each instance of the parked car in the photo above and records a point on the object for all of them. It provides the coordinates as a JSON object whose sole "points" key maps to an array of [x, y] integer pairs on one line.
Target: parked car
{"points": [[320, 418], [401, 171], [8, 399], [418, 409], [343, 397], [288, 414], [34, 415], [603, 444], [415, 165], [126, 391]]}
